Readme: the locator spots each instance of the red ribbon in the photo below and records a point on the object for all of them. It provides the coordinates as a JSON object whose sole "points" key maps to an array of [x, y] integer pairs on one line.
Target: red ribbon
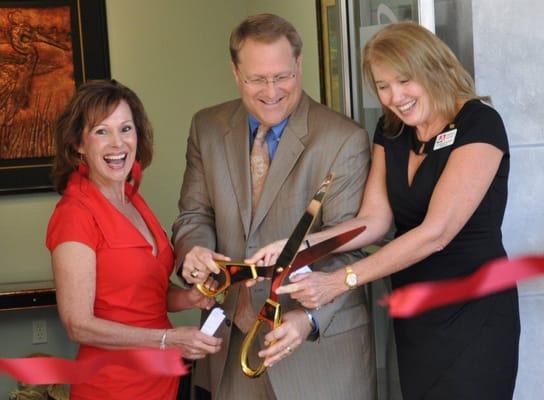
{"points": [[49, 370], [492, 277]]}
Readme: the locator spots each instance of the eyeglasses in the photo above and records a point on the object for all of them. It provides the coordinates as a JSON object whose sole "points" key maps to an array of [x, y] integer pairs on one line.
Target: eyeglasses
{"points": [[262, 82]]}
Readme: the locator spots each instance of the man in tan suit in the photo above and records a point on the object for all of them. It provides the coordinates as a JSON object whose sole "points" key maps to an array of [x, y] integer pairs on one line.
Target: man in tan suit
{"points": [[305, 141]]}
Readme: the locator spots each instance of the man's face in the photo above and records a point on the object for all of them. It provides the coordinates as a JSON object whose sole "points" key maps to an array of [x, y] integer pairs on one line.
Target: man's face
{"points": [[269, 79]]}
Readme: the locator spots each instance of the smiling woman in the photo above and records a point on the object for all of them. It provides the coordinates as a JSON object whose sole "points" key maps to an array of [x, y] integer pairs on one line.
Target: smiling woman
{"points": [[112, 115], [109, 148], [440, 172], [111, 258]]}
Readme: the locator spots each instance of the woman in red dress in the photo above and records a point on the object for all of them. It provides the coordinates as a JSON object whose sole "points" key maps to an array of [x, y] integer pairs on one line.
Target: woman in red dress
{"points": [[111, 258]]}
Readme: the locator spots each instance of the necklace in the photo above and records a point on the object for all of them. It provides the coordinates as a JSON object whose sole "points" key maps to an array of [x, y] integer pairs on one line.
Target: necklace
{"points": [[418, 146]]}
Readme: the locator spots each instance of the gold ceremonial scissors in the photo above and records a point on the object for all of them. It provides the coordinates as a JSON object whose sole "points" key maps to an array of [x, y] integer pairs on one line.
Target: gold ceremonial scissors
{"points": [[287, 263], [289, 260], [271, 310]]}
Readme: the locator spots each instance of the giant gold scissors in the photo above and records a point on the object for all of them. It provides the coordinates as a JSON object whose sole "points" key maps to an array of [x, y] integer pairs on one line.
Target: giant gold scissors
{"points": [[231, 272], [289, 261]]}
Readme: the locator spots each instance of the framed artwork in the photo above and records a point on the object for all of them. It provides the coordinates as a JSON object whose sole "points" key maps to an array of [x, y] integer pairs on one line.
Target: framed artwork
{"points": [[330, 48], [47, 49]]}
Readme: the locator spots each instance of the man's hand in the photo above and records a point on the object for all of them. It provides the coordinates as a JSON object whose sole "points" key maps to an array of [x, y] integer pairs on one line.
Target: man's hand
{"points": [[284, 340], [268, 254], [199, 263]]}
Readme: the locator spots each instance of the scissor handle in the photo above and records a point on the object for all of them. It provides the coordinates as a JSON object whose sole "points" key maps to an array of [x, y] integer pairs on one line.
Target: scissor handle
{"points": [[209, 292], [251, 337], [228, 269]]}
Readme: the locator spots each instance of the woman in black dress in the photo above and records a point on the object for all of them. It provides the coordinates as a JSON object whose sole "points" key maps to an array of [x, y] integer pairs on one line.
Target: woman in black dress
{"points": [[439, 172]]}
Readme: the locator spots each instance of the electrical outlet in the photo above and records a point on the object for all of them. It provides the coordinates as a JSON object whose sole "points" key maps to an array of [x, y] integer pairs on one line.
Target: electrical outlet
{"points": [[39, 331]]}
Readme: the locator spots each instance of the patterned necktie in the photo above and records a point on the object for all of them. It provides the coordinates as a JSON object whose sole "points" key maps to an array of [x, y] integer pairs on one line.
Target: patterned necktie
{"points": [[260, 162], [245, 315]]}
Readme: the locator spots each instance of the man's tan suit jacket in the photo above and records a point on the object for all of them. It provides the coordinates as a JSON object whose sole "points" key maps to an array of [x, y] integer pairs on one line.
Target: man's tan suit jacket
{"points": [[215, 212]]}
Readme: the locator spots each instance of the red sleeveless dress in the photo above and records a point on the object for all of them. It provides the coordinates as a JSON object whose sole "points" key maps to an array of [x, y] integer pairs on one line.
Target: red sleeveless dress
{"points": [[131, 283]]}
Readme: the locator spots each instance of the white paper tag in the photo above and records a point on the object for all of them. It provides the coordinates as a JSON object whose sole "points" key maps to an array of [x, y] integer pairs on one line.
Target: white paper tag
{"points": [[301, 270], [213, 321], [445, 139]]}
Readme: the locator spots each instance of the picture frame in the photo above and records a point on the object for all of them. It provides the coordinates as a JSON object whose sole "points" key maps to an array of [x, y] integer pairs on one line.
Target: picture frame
{"points": [[329, 53], [48, 48]]}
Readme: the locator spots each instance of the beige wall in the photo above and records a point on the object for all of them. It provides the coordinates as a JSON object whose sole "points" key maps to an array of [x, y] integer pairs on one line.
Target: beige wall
{"points": [[23, 220], [185, 71], [177, 61], [174, 54]]}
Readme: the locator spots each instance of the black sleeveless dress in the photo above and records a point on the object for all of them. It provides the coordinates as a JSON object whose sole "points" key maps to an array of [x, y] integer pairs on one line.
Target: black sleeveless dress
{"points": [[466, 350]]}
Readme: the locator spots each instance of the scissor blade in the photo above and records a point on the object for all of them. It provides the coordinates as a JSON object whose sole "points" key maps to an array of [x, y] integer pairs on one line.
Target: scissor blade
{"points": [[293, 243], [240, 272], [321, 249]]}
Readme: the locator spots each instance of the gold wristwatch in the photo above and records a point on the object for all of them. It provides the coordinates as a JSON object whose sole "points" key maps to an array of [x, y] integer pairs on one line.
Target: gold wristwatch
{"points": [[351, 278]]}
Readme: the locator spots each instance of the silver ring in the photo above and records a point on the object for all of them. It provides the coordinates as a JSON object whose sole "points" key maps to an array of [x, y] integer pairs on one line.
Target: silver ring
{"points": [[194, 273], [288, 349], [317, 307]]}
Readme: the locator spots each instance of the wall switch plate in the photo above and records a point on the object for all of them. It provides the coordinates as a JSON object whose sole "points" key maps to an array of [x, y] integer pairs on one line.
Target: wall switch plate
{"points": [[39, 331]]}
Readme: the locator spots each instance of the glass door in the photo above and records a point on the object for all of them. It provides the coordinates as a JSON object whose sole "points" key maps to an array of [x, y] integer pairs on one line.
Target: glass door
{"points": [[366, 17], [344, 28]]}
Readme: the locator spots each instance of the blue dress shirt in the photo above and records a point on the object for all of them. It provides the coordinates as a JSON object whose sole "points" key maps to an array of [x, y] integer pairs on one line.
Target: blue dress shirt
{"points": [[272, 139]]}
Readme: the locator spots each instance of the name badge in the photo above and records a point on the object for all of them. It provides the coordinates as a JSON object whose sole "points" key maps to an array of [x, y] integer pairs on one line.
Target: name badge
{"points": [[445, 139], [213, 321]]}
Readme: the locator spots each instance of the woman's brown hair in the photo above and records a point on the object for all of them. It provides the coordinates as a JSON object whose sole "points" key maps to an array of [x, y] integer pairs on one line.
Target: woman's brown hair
{"points": [[92, 103]]}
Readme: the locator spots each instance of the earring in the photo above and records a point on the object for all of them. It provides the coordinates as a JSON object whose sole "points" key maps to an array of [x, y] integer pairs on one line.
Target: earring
{"points": [[135, 176], [82, 166]]}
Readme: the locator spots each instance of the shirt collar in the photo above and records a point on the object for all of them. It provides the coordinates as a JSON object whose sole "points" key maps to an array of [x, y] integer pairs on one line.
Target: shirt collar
{"points": [[277, 130]]}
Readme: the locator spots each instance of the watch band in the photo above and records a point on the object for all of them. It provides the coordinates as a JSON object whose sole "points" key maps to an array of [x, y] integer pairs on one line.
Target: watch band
{"points": [[314, 334], [351, 278]]}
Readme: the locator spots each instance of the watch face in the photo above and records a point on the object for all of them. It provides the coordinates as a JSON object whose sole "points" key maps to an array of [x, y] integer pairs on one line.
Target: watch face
{"points": [[351, 280]]}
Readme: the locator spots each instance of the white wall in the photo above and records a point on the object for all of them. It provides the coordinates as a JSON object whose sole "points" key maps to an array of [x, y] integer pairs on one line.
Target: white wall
{"points": [[509, 60]]}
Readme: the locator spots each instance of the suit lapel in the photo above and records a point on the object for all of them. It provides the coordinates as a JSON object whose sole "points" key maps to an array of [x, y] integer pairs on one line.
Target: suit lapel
{"points": [[287, 154], [237, 152]]}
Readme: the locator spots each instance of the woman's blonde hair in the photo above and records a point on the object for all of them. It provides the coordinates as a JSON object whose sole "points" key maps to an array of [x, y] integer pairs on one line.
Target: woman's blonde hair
{"points": [[417, 54]]}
